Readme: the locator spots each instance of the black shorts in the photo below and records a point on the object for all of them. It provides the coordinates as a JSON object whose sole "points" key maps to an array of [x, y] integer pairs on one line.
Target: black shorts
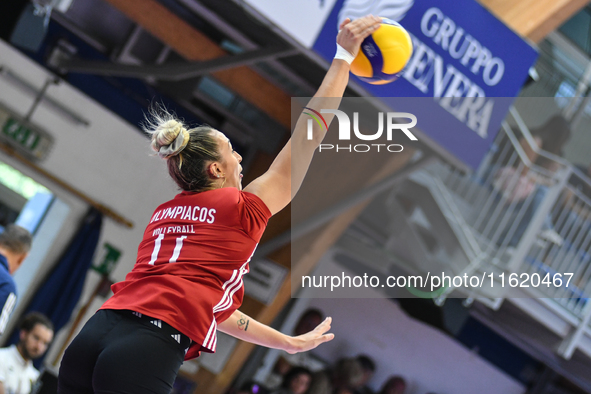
{"points": [[122, 352]]}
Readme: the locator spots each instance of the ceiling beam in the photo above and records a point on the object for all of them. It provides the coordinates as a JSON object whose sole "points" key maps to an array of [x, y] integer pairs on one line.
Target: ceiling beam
{"points": [[196, 46], [171, 71], [534, 19]]}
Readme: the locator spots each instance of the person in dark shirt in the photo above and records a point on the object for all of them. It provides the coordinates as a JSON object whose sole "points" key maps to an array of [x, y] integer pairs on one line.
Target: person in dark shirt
{"points": [[394, 385], [296, 381], [369, 368]]}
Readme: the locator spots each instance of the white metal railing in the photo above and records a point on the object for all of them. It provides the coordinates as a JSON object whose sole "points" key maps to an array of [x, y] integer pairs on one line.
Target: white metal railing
{"points": [[524, 211], [531, 217]]}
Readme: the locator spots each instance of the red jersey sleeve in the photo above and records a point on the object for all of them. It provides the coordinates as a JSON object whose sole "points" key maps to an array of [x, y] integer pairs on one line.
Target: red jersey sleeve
{"points": [[254, 215]]}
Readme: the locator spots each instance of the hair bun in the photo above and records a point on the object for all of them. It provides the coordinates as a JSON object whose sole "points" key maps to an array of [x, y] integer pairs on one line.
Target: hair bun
{"points": [[169, 138]]}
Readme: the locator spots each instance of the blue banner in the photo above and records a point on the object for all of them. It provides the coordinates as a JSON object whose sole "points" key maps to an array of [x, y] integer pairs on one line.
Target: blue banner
{"points": [[464, 58]]}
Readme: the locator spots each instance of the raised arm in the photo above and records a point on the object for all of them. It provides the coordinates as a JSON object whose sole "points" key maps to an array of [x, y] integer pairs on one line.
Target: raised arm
{"points": [[280, 183], [247, 329]]}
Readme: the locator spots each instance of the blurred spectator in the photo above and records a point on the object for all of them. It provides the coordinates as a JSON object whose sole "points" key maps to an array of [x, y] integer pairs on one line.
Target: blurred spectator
{"points": [[252, 388], [369, 368], [348, 376], [296, 381], [394, 385], [524, 189], [554, 135], [17, 374], [15, 243], [307, 322], [321, 383]]}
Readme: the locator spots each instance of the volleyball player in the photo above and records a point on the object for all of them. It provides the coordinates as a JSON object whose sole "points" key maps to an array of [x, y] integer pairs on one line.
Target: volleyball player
{"points": [[187, 281]]}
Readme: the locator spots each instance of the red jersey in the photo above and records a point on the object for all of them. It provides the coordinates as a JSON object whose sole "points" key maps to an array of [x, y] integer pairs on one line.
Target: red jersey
{"points": [[191, 260]]}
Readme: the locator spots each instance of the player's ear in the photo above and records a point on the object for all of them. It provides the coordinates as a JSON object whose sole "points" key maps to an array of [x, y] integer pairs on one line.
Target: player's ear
{"points": [[214, 170]]}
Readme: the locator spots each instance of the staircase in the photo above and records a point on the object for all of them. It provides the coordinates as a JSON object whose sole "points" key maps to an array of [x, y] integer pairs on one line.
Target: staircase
{"points": [[523, 229]]}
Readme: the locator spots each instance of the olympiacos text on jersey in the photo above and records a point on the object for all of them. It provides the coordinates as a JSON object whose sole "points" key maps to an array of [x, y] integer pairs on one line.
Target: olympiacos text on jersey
{"points": [[191, 261]]}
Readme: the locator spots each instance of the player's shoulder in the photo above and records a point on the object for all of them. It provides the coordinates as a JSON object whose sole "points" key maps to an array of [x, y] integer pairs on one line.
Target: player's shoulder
{"points": [[226, 194]]}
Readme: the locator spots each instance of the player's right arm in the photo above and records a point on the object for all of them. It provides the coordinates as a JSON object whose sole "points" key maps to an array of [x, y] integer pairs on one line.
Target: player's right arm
{"points": [[280, 183], [248, 329]]}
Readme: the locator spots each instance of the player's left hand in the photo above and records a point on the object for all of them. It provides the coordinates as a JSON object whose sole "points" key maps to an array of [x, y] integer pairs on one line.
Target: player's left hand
{"points": [[312, 339], [352, 33]]}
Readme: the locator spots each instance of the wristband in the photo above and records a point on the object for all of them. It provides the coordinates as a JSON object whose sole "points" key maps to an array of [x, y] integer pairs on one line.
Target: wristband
{"points": [[344, 54]]}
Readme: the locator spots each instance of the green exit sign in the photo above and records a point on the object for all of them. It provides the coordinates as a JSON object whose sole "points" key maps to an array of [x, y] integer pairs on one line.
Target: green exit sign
{"points": [[106, 259], [26, 138]]}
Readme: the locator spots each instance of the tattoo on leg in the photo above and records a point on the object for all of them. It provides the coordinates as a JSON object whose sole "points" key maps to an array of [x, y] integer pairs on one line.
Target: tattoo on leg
{"points": [[243, 322]]}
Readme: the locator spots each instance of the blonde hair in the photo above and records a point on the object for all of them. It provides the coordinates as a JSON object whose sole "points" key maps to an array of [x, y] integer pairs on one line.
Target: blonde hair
{"points": [[187, 151]]}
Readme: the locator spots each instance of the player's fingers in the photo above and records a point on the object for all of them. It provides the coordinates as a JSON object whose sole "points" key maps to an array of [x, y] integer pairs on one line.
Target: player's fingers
{"points": [[365, 22], [324, 326], [323, 339], [344, 23], [369, 29], [371, 22], [327, 337], [360, 33]]}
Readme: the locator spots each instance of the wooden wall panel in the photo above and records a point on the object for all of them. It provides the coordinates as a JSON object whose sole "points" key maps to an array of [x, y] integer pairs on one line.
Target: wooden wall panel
{"points": [[534, 19]]}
